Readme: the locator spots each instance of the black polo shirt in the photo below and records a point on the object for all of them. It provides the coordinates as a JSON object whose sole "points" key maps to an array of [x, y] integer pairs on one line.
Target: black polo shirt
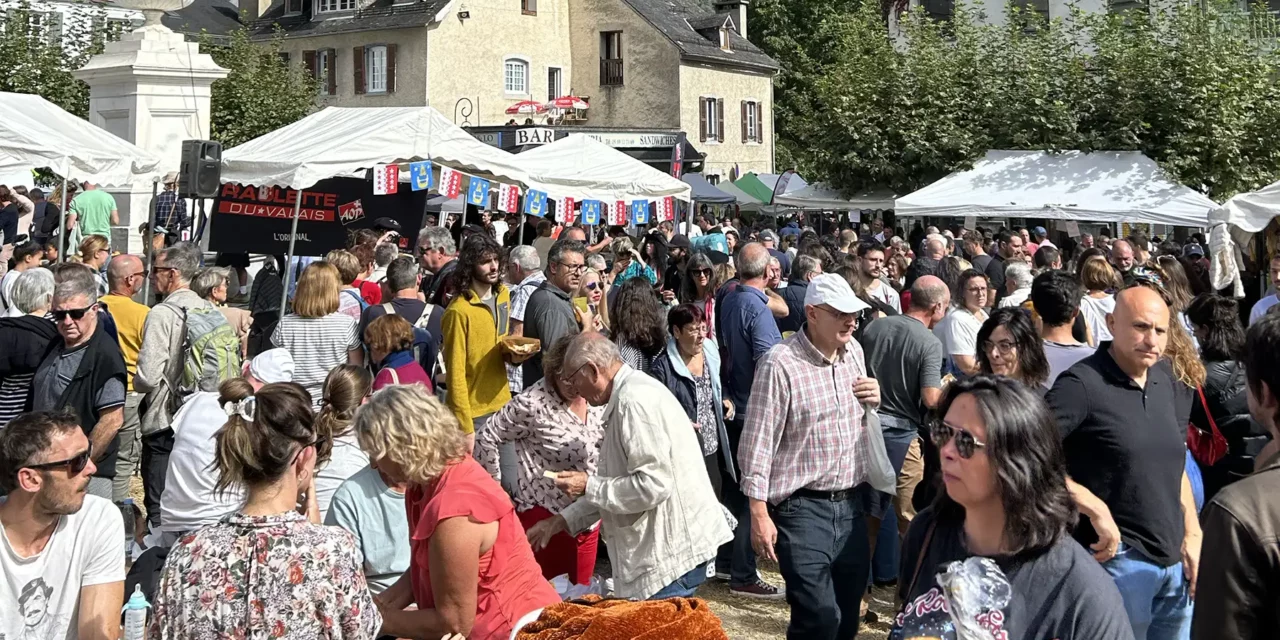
{"points": [[1124, 443]]}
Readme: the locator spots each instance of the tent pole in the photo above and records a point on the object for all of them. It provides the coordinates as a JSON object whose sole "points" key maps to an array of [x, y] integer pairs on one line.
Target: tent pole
{"points": [[149, 251], [288, 269], [62, 220]]}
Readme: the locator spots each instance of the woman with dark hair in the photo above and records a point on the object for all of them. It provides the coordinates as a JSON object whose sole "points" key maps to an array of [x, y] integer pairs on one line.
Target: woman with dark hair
{"points": [[1005, 497], [1009, 346], [639, 323], [1216, 323]]}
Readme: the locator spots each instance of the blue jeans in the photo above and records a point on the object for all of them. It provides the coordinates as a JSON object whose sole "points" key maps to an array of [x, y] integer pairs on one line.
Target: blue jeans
{"points": [[1197, 481], [685, 585], [824, 556], [1155, 597], [898, 436], [736, 557]]}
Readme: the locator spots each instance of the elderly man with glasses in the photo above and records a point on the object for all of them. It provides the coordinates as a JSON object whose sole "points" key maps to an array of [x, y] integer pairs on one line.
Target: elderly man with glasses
{"points": [[85, 372], [125, 276], [549, 314]]}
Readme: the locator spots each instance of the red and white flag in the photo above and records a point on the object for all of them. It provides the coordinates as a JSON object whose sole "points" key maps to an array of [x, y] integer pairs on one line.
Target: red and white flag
{"points": [[508, 198], [564, 210], [665, 209], [386, 179], [618, 213], [450, 182]]}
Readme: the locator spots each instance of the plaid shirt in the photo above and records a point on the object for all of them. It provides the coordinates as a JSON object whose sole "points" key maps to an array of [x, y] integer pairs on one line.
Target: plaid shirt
{"points": [[804, 426], [171, 211]]}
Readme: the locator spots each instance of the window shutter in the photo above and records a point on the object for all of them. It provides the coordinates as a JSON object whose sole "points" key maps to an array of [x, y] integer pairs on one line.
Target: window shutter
{"points": [[309, 61], [719, 119], [331, 75], [742, 112], [759, 122], [391, 68], [702, 119], [357, 67]]}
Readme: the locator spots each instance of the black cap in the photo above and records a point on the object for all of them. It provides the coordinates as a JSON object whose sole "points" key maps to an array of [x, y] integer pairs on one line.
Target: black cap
{"points": [[680, 241], [386, 224], [717, 257]]}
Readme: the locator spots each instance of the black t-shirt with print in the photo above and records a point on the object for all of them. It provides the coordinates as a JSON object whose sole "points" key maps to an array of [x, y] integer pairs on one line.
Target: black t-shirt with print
{"points": [[1058, 594]]}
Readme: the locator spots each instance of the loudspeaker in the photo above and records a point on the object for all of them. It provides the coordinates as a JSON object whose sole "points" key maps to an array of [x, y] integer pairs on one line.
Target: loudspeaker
{"points": [[201, 168]]}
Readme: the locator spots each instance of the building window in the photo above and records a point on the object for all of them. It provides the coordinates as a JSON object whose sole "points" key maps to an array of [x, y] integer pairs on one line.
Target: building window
{"points": [[1122, 6], [293, 7], [330, 6], [752, 121], [939, 9], [711, 119], [284, 57], [724, 39], [611, 58], [516, 77], [375, 69], [529, 7], [553, 83], [320, 64], [47, 26]]}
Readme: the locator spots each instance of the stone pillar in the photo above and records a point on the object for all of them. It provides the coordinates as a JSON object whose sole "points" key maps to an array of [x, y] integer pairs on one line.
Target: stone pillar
{"points": [[151, 88]]}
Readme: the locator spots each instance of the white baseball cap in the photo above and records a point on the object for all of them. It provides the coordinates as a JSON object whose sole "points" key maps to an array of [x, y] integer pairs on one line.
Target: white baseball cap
{"points": [[835, 292], [273, 365]]}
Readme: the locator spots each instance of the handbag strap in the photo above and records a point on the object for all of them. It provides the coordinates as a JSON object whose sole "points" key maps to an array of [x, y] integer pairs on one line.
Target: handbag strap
{"points": [[1213, 424], [924, 550], [395, 377]]}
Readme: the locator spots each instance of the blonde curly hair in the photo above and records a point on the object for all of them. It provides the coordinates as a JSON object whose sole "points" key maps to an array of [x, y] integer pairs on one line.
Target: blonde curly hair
{"points": [[408, 426]]}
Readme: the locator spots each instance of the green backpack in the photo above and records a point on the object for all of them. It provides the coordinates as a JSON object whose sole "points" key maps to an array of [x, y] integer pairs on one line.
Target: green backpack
{"points": [[212, 350]]}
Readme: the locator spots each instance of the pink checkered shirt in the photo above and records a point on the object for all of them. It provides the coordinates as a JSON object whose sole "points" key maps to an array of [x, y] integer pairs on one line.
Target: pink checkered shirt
{"points": [[804, 426]]}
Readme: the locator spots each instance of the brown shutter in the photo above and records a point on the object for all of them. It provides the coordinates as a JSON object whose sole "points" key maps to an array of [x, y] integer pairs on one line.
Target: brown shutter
{"points": [[759, 122], [702, 119], [357, 67], [391, 68], [309, 61], [742, 111], [331, 75], [719, 119]]}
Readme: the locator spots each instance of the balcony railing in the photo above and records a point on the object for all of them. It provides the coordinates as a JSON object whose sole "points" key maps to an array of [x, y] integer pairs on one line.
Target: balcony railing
{"points": [[611, 72]]}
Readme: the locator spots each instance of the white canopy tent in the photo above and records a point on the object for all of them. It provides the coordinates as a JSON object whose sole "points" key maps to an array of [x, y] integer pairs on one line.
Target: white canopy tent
{"points": [[1233, 223], [819, 196], [1104, 186], [35, 133], [1251, 211], [580, 167]]}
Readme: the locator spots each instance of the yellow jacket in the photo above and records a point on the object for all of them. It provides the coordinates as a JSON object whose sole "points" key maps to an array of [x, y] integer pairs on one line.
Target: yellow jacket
{"points": [[476, 372]]}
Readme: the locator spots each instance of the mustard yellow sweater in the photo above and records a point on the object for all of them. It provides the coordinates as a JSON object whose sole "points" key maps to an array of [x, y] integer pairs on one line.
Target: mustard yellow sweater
{"points": [[476, 371]]}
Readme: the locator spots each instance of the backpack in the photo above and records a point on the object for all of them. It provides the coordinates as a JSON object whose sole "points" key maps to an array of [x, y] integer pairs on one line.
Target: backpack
{"points": [[211, 348], [359, 298], [430, 359]]}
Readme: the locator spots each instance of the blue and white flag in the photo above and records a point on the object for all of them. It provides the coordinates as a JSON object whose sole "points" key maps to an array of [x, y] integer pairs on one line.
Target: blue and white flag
{"points": [[591, 211], [420, 174], [535, 203], [640, 211], [478, 192]]}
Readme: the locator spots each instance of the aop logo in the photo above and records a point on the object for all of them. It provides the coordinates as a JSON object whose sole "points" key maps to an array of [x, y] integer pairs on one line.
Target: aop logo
{"points": [[350, 212]]}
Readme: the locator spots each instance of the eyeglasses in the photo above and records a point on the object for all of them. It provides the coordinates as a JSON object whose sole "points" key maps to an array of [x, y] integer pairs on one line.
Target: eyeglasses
{"points": [[966, 444], [839, 315], [140, 274], [1004, 347], [74, 465], [157, 270], [573, 268], [60, 314], [591, 286]]}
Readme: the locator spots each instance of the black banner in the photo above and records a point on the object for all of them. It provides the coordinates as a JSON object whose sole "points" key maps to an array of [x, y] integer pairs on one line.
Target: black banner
{"points": [[257, 219]]}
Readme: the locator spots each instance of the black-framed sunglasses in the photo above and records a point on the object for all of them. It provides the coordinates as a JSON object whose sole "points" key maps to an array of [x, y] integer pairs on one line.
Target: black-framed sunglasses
{"points": [[74, 464], [702, 272], [591, 286], [60, 314], [304, 447], [966, 443]]}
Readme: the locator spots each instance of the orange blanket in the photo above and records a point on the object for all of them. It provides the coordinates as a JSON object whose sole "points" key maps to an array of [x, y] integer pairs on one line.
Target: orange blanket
{"points": [[592, 618]]}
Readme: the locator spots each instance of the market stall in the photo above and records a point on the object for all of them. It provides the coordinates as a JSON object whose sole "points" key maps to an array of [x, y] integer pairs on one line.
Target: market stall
{"points": [[705, 192], [1234, 225], [582, 168], [820, 197]]}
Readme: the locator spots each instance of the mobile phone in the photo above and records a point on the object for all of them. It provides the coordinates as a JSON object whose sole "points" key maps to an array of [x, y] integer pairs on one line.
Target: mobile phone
{"points": [[582, 303]]}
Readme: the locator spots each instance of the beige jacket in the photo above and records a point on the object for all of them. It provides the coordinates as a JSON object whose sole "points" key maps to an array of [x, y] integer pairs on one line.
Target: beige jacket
{"points": [[651, 493]]}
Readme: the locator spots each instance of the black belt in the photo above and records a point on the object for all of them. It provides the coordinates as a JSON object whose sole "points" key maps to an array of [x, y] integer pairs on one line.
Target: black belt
{"points": [[833, 496]]}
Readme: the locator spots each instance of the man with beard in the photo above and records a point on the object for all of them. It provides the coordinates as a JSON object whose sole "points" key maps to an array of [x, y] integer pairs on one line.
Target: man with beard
{"points": [[871, 263], [473, 324], [69, 585]]}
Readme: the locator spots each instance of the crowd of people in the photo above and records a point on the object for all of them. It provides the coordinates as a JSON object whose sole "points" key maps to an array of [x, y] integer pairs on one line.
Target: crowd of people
{"points": [[384, 457]]}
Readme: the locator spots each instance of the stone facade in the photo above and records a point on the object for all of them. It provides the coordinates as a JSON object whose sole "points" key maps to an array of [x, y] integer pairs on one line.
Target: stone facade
{"points": [[734, 87]]}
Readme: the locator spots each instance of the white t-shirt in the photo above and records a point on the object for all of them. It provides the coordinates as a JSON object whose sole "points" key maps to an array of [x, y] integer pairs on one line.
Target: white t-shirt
{"points": [[347, 459], [40, 595], [189, 501], [1095, 312], [958, 332], [1261, 308], [1062, 356], [6, 289], [886, 294]]}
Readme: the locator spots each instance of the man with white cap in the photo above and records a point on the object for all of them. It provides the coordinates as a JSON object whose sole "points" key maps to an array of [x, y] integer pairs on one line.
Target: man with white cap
{"points": [[189, 501], [171, 211], [805, 462]]}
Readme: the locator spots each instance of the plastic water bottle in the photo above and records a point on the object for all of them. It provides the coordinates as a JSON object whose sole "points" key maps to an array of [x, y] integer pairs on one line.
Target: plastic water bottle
{"points": [[135, 615]]}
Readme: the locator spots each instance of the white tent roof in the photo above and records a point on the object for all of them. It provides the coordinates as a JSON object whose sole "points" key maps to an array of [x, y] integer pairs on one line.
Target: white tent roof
{"points": [[36, 133], [819, 196], [581, 167], [1104, 186], [344, 142], [1251, 211]]}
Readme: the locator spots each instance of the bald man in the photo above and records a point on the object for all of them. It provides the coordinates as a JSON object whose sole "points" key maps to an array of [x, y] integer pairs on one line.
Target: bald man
{"points": [[1125, 450], [1122, 255], [125, 276]]}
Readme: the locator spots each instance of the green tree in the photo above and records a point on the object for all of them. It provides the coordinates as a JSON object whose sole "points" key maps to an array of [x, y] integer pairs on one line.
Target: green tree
{"points": [[39, 51], [261, 94]]}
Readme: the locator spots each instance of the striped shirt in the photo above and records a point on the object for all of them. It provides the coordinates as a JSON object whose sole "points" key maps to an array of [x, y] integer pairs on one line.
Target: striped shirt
{"points": [[13, 395], [317, 346], [804, 426]]}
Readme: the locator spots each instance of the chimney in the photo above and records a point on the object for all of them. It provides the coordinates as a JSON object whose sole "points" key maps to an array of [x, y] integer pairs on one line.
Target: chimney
{"points": [[737, 9]]}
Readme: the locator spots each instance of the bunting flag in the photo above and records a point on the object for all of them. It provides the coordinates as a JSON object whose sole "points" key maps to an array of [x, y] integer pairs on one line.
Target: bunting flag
{"points": [[665, 209], [564, 210], [535, 203], [386, 179], [420, 175], [478, 192], [618, 213], [640, 212], [508, 198], [591, 211], [450, 183]]}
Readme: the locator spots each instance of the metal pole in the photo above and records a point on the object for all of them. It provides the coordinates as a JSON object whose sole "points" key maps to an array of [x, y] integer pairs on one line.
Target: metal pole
{"points": [[62, 220], [149, 250], [288, 268]]}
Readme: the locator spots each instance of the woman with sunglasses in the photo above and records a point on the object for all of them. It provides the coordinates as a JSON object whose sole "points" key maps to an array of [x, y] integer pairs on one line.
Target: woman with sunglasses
{"points": [[592, 288], [1005, 498], [699, 288], [1009, 346], [268, 564]]}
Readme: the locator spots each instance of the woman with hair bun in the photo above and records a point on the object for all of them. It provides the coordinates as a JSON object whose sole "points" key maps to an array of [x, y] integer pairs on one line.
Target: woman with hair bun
{"points": [[267, 570]]}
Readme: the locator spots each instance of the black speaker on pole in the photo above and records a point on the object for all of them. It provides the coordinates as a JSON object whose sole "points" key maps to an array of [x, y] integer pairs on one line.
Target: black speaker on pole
{"points": [[198, 176]]}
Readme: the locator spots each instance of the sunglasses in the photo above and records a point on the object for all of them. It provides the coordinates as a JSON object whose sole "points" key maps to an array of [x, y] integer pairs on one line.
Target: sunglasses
{"points": [[966, 444], [76, 314], [591, 286], [701, 272], [74, 465]]}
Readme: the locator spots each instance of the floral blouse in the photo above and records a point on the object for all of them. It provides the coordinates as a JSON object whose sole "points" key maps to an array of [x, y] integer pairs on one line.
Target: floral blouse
{"points": [[264, 577], [707, 431], [548, 437]]}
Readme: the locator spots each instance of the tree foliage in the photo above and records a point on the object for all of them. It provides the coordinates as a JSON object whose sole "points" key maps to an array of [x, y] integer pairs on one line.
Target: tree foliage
{"points": [[1195, 90], [260, 94], [39, 51]]}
